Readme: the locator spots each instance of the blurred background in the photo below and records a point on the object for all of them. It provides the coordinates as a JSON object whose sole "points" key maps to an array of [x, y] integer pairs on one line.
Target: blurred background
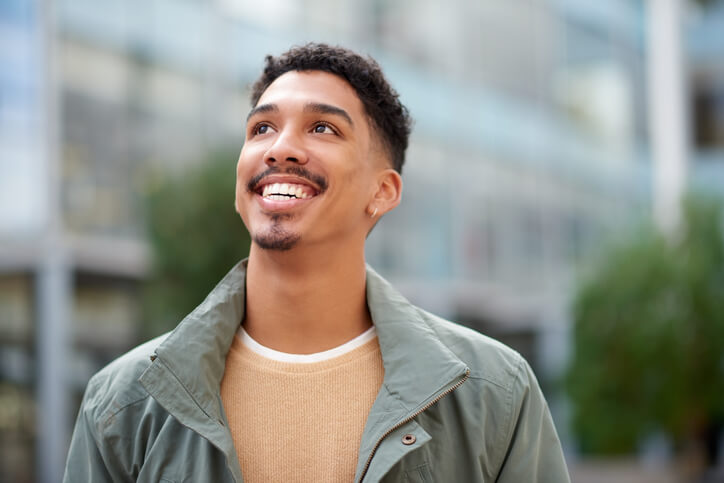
{"points": [[554, 146]]}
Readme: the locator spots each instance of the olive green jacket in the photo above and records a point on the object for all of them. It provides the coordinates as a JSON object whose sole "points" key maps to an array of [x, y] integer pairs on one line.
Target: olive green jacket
{"points": [[455, 406]]}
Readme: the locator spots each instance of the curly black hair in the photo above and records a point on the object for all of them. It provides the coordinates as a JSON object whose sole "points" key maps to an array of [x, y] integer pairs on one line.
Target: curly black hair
{"points": [[389, 118]]}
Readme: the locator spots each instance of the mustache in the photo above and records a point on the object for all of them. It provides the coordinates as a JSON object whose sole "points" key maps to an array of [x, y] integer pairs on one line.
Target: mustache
{"points": [[299, 171]]}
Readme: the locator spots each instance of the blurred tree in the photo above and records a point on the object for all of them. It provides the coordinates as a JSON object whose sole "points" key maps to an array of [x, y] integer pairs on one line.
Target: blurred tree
{"points": [[707, 3], [196, 236], [648, 349]]}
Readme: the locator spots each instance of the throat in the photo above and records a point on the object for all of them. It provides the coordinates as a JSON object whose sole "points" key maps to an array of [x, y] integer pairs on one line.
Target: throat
{"points": [[308, 311]]}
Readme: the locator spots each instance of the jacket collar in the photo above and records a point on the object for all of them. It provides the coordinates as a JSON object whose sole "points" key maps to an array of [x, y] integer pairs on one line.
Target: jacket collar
{"points": [[411, 350], [419, 368], [186, 376], [195, 351]]}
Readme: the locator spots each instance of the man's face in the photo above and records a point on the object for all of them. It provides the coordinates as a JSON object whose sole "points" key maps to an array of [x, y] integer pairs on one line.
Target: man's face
{"points": [[308, 168]]}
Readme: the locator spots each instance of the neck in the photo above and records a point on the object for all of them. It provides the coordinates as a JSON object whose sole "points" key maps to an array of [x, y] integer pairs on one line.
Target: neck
{"points": [[304, 300]]}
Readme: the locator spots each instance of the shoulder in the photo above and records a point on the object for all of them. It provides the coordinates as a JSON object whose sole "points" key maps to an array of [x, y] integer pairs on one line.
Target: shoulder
{"points": [[116, 386], [487, 358], [501, 392], [506, 418]]}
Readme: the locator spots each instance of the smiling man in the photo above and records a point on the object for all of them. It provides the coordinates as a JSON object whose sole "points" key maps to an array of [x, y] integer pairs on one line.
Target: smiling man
{"points": [[303, 364]]}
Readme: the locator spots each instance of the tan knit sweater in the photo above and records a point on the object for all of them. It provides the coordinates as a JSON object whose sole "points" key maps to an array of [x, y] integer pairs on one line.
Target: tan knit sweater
{"points": [[293, 421]]}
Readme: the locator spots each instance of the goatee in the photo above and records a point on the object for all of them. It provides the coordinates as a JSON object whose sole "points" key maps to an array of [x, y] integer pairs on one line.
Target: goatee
{"points": [[276, 238]]}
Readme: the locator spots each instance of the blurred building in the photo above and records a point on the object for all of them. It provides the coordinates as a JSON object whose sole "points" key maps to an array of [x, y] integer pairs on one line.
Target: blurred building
{"points": [[22, 201], [529, 152], [705, 45]]}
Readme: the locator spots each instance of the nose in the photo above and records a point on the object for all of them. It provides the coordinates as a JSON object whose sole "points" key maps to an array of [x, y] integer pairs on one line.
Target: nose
{"points": [[286, 147]]}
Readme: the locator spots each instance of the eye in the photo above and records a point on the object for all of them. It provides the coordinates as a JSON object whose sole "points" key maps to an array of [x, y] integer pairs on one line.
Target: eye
{"points": [[323, 128], [261, 128]]}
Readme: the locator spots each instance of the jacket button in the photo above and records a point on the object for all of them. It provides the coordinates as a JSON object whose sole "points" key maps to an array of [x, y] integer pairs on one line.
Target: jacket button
{"points": [[409, 439]]}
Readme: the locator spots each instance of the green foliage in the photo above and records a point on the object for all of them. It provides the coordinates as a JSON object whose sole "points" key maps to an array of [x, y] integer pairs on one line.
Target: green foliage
{"points": [[707, 3], [649, 338], [196, 236]]}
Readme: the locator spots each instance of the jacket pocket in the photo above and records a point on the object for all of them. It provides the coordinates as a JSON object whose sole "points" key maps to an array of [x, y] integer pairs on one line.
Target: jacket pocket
{"points": [[419, 474]]}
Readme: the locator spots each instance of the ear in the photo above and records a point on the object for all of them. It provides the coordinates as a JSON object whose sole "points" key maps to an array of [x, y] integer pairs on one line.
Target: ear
{"points": [[388, 193]]}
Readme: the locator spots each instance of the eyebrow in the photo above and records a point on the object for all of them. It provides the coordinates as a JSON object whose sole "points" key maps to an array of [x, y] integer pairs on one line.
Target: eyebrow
{"points": [[262, 109], [321, 108], [315, 107]]}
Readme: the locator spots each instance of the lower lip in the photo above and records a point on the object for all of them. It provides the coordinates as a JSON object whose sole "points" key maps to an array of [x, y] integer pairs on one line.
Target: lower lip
{"points": [[281, 205]]}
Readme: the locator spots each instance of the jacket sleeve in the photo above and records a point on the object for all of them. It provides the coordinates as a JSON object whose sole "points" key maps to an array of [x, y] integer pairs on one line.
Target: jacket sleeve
{"points": [[85, 459], [534, 452]]}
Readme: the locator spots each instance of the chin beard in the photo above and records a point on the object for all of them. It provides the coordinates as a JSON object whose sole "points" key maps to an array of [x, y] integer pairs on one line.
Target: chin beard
{"points": [[276, 238], [279, 243]]}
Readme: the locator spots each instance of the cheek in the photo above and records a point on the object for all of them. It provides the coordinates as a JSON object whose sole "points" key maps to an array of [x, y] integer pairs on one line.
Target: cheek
{"points": [[244, 168], [241, 180], [242, 161], [359, 176]]}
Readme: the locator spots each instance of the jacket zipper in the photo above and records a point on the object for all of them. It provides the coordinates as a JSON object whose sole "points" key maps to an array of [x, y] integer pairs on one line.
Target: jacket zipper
{"points": [[410, 418]]}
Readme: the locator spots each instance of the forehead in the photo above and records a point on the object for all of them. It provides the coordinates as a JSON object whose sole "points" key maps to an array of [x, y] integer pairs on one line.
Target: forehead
{"points": [[313, 86]]}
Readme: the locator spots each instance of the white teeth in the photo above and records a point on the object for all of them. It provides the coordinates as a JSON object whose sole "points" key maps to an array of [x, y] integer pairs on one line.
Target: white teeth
{"points": [[284, 191]]}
